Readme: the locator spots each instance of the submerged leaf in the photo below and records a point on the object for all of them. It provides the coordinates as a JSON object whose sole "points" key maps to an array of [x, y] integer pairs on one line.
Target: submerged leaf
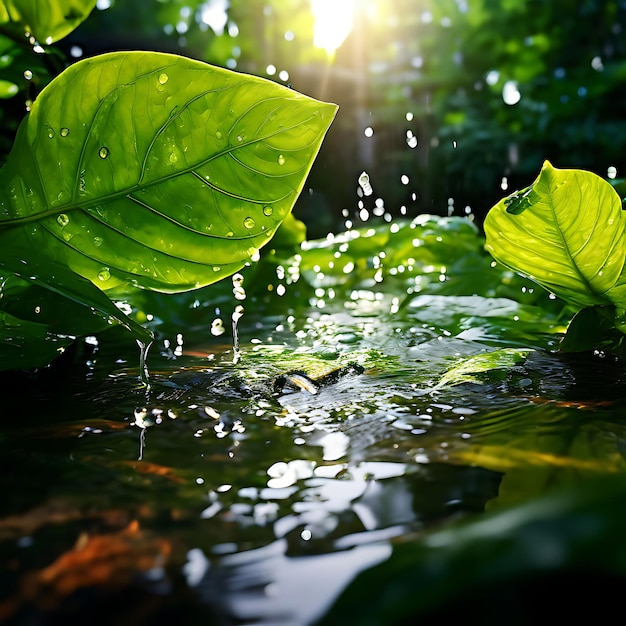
{"points": [[568, 235], [156, 170], [469, 370]]}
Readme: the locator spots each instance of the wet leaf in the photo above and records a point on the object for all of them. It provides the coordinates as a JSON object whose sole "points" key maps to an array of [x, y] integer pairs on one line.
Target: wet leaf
{"points": [[157, 171], [47, 21], [25, 344], [33, 267], [476, 368], [566, 232]]}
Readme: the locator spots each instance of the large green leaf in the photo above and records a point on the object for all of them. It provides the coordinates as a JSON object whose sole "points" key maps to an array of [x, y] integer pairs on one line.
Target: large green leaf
{"points": [[156, 170], [47, 21], [566, 231]]}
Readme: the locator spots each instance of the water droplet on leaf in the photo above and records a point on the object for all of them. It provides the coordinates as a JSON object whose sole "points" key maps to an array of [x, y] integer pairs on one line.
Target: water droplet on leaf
{"points": [[173, 158], [218, 134], [104, 274], [97, 241], [163, 78], [267, 210], [281, 159], [103, 153], [249, 222], [50, 133], [63, 219], [64, 132], [28, 75]]}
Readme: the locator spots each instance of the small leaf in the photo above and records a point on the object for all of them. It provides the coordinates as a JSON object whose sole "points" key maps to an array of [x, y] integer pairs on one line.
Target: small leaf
{"points": [[7, 89], [47, 21], [157, 171], [570, 238], [469, 370]]}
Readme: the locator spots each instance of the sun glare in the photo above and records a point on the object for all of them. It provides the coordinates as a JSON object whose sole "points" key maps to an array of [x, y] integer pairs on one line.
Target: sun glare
{"points": [[333, 21]]}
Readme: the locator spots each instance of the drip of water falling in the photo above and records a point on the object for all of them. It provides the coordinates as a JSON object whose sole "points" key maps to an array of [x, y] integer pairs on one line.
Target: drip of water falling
{"points": [[236, 316], [144, 375]]}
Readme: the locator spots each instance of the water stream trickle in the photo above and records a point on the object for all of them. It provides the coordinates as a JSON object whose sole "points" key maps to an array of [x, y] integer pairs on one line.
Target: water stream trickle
{"points": [[144, 375]]}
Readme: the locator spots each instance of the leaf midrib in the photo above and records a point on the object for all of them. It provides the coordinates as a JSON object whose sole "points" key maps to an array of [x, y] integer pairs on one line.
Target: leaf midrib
{"points": [[73, 206]]}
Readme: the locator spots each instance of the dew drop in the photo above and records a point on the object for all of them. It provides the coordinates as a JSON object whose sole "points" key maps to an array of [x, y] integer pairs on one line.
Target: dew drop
{"points": [[216, 268], [50, 133], [230, 233], [163, 78], [103, 153], [63, 219], [173, 158], [281, 159], [218, 134], [249, 222], [267, 210], [97, 241], [104, 274], [28, 75], [64, 132]]}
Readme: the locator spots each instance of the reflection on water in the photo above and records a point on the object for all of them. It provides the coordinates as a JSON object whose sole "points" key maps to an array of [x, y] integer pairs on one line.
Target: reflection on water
{"points": [[270, 502]]}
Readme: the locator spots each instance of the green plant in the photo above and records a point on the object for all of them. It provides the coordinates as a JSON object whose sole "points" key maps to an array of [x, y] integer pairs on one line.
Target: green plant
{"points": [[567, 232], [141, 170]]}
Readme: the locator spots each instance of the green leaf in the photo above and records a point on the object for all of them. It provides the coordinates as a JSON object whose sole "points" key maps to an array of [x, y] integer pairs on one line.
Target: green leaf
{"points": [[44, 272], [566, 232], [25, 344], [7, 89], [593, 328], [47, 21], [469, 370], [157, 171]]}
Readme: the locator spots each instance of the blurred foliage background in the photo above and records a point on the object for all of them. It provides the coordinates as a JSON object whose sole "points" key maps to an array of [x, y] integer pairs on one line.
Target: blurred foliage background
{"points": [[447, 104]]}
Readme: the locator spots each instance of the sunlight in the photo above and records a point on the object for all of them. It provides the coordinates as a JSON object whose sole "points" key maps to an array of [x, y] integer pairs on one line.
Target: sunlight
{"points": [[333, 21]]}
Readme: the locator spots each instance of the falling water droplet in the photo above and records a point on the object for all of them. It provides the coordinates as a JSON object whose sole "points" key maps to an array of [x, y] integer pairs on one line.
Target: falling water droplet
{"points": [[249, 223], [64, 132], [281, 159], [217, 327], [364, 183], [63, 219], [144, 376], [103, 153], [236, 316], [104, 274], [163, 78], [267, 210]]}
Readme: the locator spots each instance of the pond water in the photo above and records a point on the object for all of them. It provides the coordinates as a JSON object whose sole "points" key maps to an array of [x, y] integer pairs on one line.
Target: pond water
{"points": [[251, 487]]}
